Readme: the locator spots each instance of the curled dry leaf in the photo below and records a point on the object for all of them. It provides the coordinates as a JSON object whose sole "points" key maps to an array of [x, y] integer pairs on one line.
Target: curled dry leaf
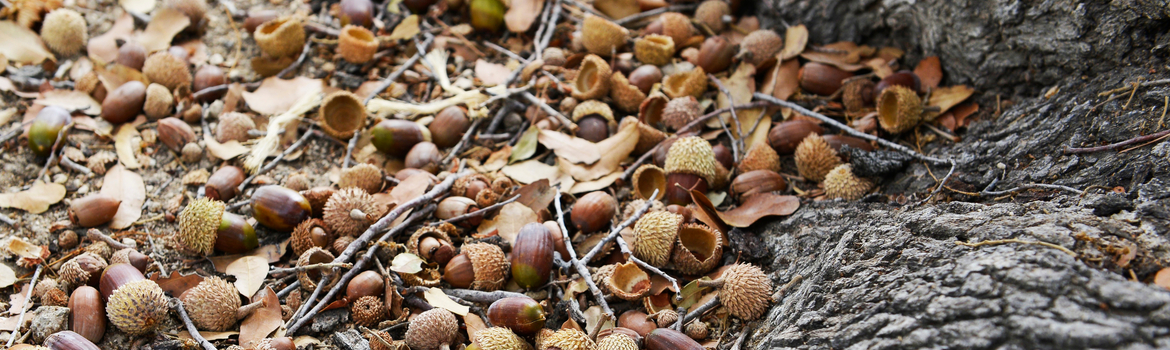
{"points": [[177, 283], [845, 55], [70, 100], [618, 9], [573, 149], [250, 272], [617, 148], [104, 48], [474, 324], [594, 315], [498, 159], [521, 14], [406, 29], [491, 73], [124, 142], [437, 298], [795, 39], [537, 195], [929, 72], [406, 263], [508, 222], [530, 171], [946, 97], [275, 95], [127, 186], [261, 322], [759, 206], [34, 200], [20, 44], [165, 24]]}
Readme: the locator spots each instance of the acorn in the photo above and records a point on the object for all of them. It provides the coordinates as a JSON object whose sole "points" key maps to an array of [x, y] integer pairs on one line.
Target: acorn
{"points": [[904, 78], [433, 329], [84, 269], [234, 126], [690, 55], [758, 181], [359, 13], [628, 282], [135, 305], [396, 136], [593, 120], [367, 283], [191, 153], [593, 211], [480, 266], [425, 156], [821, 79], [616, 341], [499, 338], [899, 109], [784, 137], [132, 55], [159, 102], [310, 233], [842, 183], [64, 340], [132, 257], [593, 78], [368, 310], [760, 47], [449, 126], [433, 243], [455, 206], [124, 103], [223, 183], [204, 225], [636, 321], [654, 236], [45, 129], [209, 75], [711, 12], [744, 290], [357, 44], [279, 208], [838, 141], [680, 111], [568, 339], [857, 95], [686, 83], [814, 158], [602, 37], [487, 14], [167, 70], [256, 18], [677, 26], [625, 95], [699, 249], [214, 304], [318, 197], [716, 53], [670, 339], [175, 133], [350, 211], [281, 37], [64, 32], [310, 277], [654, 49], [93, 210], [759, 157], [532, 256], [697, 330], [645, 76], [690, 164], [87, 314], [666, 318], [364, 176], [281, 343]]}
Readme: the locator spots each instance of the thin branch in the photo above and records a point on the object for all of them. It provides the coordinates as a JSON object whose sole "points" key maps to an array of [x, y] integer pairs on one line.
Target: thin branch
{"points": [[658, 11], [289, 289], [1114, 146], [618, 229], [27, 298], [301, 142], [476, 213], [94, 235], [320, 266], [398, 72], [462, 141], [565, 121], [480, 296], [349, 149], [56, 147], [579, 264], [7, 220], [1016, 240], [688, 316], [178, 306], [74, 166], [941, 184], [731, 101]]}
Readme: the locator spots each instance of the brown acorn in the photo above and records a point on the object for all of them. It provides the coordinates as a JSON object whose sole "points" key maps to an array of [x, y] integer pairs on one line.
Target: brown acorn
{"points": [[697, 330], [602, 37], [124, 103], [87, 314], [396, 136], [350, 211], [636, 321], [899, 109], [135, 305], [814, 158], [821, 79], [204, 226], [717, 53], [455, 206], [342, 113], [367, 283], [93, 210], [364, 176], [425, 156], [686, 83], [532, 256], [318, 197], [654, 49], [167, 70], [690, 163], [784, 137], [711, 12], [368, 310], [593, 211], [698, 249], [222, 184], [677, 26], [594, 120], [159, 102], [842, 183], [449, 126], [522, 315], [480, 266], [904, 78], [281, 37], [680, 111], [82, 269], [175, 133], [359, 12], [310, 277], [654, 236], [207, 76], [670, 339], [279, 208], [433, 243], [62, 340], [234, 126], [758, 181], [858, 95], [759, 157], [433, 329], [357, 44]]}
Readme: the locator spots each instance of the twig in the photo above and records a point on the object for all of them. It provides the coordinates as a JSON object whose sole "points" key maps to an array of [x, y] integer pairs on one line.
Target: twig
{"points": [[646, 156], [398, 72], [498, 118], [95, 236], [548, 33], [349, 149], [178, 306], [7, 220], [463, 141], [480, 212], [618, 229], [658, 11], [940, 185], [289, 289], [1127, 87], [565, 122], [74, 166], [480, 296], [297, 145], [56, 147], [943, 133], [1030, 187], [626, 250], [731, 105], [504, 51], [739, 340], [1121, 144], [683, 319], [784, 289], [305, 303], [309, 267], [1016, 240], [579, 264], [734, 143], [27, 302]]}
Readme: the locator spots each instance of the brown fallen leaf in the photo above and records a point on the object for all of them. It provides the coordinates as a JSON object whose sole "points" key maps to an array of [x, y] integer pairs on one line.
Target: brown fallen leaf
{"points": [[573, 149], [759, 206], [20, 44], [104, 48], [71, 100], [491, 73], [275, 95], [411, 188], [34, 200], [124, 142], [263, 321], [474, 324], [879, 66], [795, 39], [225, 151], [117, 75], [594, 185], [617, 148], [521, 14], [618, 9], [946, 97], [537, 195], [929, 71], [405, 29], [437, 298], [164, 25], [741, 84], [508, 222], [1162, 278], [250, 272], [845, 55], [530, 171], [127, 186], [783, 81], [707, 213], [498, 159], [177, 283]]}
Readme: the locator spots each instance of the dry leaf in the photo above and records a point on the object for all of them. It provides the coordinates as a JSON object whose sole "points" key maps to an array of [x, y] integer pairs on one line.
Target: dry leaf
{"points": [[71, 100], [617, 148], [573, 149], [271, 253], [406, 263], [593, 315], [880, 67], [224, 151], [6, 85], [140, 6], [618, 9], [250, 272], [946, 97], [521, 14], [474, 324], [491, 73], [117, 75], [759, 206], [34, 200], [20, 44], [406, 29], [537, 195], [275, 95], [500, 158], [795, 39], [304, 340], [436, 298], [104, 48], [411, 188], [124, 146], [844, 55], [741, 84], [127, 186], [1161, 279], [929, 72], [24, 249], [163, 27], [707, 213], [209, 335], [262, 321], [7, 276], [530, 171], [508, 222], [176, 283], [783, 81], [593, 185], [99, 126]]}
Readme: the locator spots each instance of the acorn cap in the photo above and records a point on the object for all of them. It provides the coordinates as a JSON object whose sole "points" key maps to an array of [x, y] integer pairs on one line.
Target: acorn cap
{"points": [[431, 329], [309, 278], [159, 102], [44, 286], [198, 224], [759, 157], [601, 36], [677, 26], [74, 274], [686, 83], [857, 95], [666, 318], [601, 277], [137, 307], [382, 341], [167, 70], [899, 109], [633, 206], [692, 155], [64, 31], [628, 281], [592, 81], [500, 338], [617, 341], [364, 176], [648, 136], [428, 277], [368, 310], [356, 44], [212, 304], [281, 37], [699, 249], [339, 211], [54, 297], [627, 96], [302, 236], [100, 248], [815, 158], [697, 330], [89, 84], [341, 243], [746, 291], [234, 126], [298, 182], [680, 111], [711, 12], [568, 339], [592, 107], [342, 113], [842, 183], [654, 236], [654, 49], [490, 265], [442, 232], [760, 46], [646, 179]]}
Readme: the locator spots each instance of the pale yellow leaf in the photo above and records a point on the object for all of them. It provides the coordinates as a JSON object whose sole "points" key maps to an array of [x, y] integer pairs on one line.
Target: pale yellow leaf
{"points": [[250, 272], [104, 48], [593, 316], [163, 27], [617, 148], [224, 151], [491, 73], [7, 276], [436, 298], [530, 171], [124, 145], [406, 263], [508, 222], [20, 44], [275, 95], [572, 149], [795, 40], [24, 249], [618, 9], [140, 6], [406, 29], [593, 185], [127, 186], [70, 99], [34, 200]]}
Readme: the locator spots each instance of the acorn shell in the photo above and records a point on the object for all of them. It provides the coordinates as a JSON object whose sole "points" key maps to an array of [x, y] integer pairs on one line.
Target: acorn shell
{"points": [[601, 36], [234, 126], [64, 31], [339, 209], [692, 155], [759, 157], [159, 102], [899, 109], [309, 278], [648, 178], [677, 26], [198, 224], [858, 95], [686, 83], [654, 49], [500, 338], [626, 96], [368, 310], [593, 78], [342, 113], [653, 109], [815, 158], [699, 249], [628, 281], [680, 111], [760, 46], [490, 265], [617, 341], [212, 304], [842, 183], [356, 44], [568, 339], [281, 37], [654, 236], [746, 292], [167, 70], [302, 238], [431, 329], [137, 307], [364, 176]]}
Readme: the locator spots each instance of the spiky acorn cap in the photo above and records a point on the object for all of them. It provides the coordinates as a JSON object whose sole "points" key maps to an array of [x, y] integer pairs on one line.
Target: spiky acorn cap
{"points": [[368, 310], [44, 286], [697, 330], [692, 155], [654, 236], [686, 83], [617, 341], [431, 329], [212, 304], [356, 44], [842, 183], [340, 215], [602, 37], [364, 176], [746, 291], [699, 249], [100, 248], [680, 111], [159, 102], [137, 307], [234, 126], [500, 338], [489, 264], [677, 26], [601, 276], [74, 274], [122, 256], [815, 158], [167, 70], [198, 224], [569, 339], [711, 13], [666, 318], [899, 109], [55, 297], [760, 157], [281, 37], [654, 49], [341, 244], [760, 46], [380, 340], [64, 31], [442, 232], [302, 235], [627, 96], [592, 80]]}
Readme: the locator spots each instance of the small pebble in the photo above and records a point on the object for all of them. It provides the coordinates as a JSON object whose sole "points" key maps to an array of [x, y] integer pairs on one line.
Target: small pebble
{"points": [[60, 178], [215, 59]]}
